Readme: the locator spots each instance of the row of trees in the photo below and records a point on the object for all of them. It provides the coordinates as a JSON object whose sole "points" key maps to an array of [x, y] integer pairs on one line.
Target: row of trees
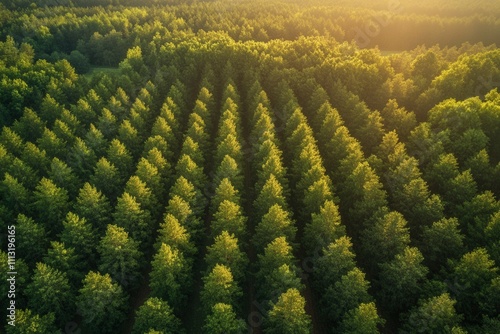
{"points": [[345, 176]]}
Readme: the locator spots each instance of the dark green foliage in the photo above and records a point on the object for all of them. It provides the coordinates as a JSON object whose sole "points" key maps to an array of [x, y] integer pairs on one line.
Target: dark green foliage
{"points": [[401, 280], [228, 218], [346, 294], [51, 204], [207, 134], [135, 220], [77, 233], [288, 315], [101, 302], [337, 260], [361, 320], [442, 241], [325, 227], [223, 320], [388, 237], [66, 260], [275, 223], [106, 178], [219, 287], [119, 256], [225, 251], [170, 276], [29, 322], [474, 275], [14, 194], [435, 315], [156, 314], [32, 239], [92, 205], [49, 291]]}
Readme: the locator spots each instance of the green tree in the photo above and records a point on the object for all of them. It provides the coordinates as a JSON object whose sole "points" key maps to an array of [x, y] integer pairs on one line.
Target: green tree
{"points": [[32, 239], [192, 148], [49, 291], [172, 233], [101, 302], [156, 159], [107, 179], [129, 136], [186, 190], [120, 157], [136, 221], [324, 228], [229, 217], [119, 256], [107, 123], [492, 233], [275, 223], [34, 157], [28, 322], [473, 276], [95, 141], [346, 294], [26, 175], [475, 216], [159, 143], [223, 320], [386, 238], [151, 176], [11, 141], [162, 127], [64, 132], [181, 210], [170, 276], [84, 111], [219, 287], [92, 205], [441, 241], [65, 260], [29, 126], [191, 171], [77, 233], [434, 315], [398, 118], [63, 176], [230, 169], [14, 195], [288, 315], [224, 192], [225, 251], [337, 260], [401, 280], [361, 320], [460, 189], [229, 146], [51, 203], [142, 194], [156, 314], [277, 253], [278, 281], [270, 194]]}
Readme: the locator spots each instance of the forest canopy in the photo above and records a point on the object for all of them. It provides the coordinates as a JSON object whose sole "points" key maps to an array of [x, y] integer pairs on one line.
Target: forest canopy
{"points": [[244, 166]]}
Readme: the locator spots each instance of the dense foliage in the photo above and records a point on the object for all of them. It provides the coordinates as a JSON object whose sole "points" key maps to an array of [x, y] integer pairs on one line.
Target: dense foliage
{"points": [[231, 167]]}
